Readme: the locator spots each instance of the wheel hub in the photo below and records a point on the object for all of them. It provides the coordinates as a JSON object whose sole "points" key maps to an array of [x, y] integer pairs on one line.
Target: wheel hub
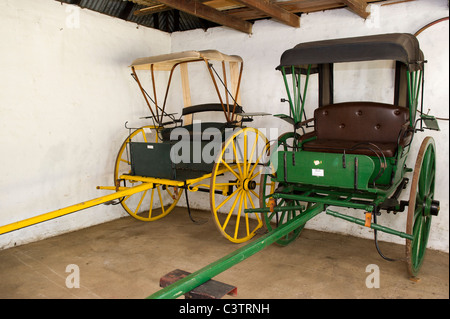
{"points": [[434, 207], [249, 184], [431, 206]]}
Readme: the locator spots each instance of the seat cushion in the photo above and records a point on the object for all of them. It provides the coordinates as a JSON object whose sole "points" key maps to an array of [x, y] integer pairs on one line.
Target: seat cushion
{"points": [[358, 128], [361, 121]]}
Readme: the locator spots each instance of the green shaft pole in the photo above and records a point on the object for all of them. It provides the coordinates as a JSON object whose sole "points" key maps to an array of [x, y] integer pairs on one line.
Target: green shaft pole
{"points": [[373, 226], [201, 276], [275, 209], [324, 200]]}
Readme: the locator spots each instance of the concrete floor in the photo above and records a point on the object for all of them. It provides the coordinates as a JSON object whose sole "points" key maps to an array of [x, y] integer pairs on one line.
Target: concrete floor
{"points": [[125, 259]]}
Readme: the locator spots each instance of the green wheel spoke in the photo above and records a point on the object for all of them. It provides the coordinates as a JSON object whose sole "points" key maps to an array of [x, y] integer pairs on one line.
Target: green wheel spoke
{"points": [[429, 186], [423, 176], [418, 212]]}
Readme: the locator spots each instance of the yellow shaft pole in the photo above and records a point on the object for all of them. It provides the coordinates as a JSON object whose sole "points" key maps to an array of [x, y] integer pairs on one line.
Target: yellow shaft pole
{"points": [[74, 208]]}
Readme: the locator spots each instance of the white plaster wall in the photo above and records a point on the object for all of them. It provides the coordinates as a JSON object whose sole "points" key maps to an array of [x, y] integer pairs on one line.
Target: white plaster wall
{"points": [[65, 94], [263, 87]]}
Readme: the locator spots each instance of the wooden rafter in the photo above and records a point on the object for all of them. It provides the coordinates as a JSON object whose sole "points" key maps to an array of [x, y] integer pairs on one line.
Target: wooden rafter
{"points": [[294, 6], [159, 7], [223, 4], [150, 10], [271, 9], [357, 6], [237, 13], [196, 8]]}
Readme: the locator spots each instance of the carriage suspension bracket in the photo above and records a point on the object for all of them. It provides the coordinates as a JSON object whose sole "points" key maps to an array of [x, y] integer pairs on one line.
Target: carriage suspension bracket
{"points": [[272, 204], [403, 204]]}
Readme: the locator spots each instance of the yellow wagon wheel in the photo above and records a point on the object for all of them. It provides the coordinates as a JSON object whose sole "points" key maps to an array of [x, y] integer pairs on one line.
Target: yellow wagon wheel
{"points": [[154, 203], [235, 182]]}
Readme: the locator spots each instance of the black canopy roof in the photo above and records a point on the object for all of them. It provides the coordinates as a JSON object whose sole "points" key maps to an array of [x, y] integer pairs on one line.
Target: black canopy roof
{"points": [[402, 47]]}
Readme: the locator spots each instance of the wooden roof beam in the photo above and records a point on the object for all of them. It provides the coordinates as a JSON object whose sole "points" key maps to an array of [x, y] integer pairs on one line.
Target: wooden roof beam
{"points": [[156, 8], [274, 11], [200, 10], [151, 10], [357, 6]]}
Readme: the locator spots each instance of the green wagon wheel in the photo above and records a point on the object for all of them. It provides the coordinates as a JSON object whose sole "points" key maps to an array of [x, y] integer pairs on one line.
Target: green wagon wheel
{"points": [[152, 204], [268, 186], [421, 205]]}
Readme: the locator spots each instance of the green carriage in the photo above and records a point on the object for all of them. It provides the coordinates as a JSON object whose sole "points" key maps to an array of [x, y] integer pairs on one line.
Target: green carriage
{"points": [[355, 153]]}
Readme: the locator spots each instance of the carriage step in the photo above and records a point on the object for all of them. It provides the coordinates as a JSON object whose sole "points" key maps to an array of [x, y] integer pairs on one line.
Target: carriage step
{"points": [[212, 289]]}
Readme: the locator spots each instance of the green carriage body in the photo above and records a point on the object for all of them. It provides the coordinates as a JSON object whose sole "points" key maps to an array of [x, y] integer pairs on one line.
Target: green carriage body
{"points": [[353, 151], [355, 155]]}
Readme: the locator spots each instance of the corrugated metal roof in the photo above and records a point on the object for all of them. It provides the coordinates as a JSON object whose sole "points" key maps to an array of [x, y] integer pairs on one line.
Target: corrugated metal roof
{"points": [[168, 21]]}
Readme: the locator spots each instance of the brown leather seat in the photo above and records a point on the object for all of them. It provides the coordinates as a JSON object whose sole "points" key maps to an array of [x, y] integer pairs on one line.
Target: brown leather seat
{"points": [[366, 128]]}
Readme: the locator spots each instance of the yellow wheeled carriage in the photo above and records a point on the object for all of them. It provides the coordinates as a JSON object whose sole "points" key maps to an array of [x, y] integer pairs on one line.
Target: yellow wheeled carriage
{"points": [[177, 153], [172, 154]]}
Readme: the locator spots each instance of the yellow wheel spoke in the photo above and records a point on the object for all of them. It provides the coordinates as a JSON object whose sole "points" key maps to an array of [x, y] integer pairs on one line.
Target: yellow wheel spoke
{"points": [[238, 215], [230, 169], [143, 134], [257, 162], [170, 193], [254, 193], [151, 204], [140, 202], [226, 184], [251, 200], [246, 215], [245, 156], [253, 151], [227, 199], [231, 210], [254, 175], [160, 199], [237, 160]]}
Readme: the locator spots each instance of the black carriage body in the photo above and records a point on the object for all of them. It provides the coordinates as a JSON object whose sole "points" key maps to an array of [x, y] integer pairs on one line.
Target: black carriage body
{"points": [[158, 159], [355, 156], [181, 155]]}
